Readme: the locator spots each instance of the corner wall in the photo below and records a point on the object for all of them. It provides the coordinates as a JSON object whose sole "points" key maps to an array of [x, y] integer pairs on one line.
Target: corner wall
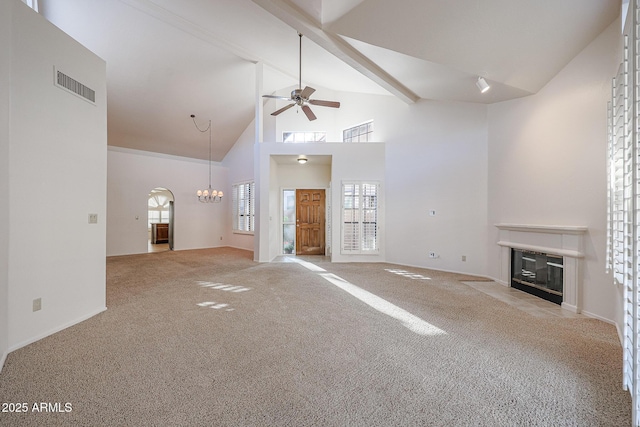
{"points": [[547, 163], [239, 164], [57, 168], [5, 90]]}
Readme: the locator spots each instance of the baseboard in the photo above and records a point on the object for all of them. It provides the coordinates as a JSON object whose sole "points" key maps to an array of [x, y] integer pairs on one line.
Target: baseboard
{"points": [[620, 336], [598, 317], [56, 329], [442, 270]]}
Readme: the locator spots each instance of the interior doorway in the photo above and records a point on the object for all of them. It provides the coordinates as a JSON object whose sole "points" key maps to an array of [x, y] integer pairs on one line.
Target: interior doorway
{"points": [[160, 213]]}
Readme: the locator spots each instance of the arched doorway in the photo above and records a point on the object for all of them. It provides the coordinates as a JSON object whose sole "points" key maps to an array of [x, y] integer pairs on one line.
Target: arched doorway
{"points": [[160, 220]]}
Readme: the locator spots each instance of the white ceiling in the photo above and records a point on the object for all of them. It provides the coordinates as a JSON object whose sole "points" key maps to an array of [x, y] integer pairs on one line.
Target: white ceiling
{"points": [[168, 59]]}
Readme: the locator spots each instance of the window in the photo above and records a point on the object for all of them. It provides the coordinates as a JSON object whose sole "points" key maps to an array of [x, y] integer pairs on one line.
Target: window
{"points": [[288, 221], [360, 218], [623, 228], [304, 137], [243, 199], [360, 133], [158, 206], [33, 4]]}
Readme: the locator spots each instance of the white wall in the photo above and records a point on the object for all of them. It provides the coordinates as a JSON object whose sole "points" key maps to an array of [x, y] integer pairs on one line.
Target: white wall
{"points": [[57, 169], [239, 164], [5, 85], [437, 160], [133, 174], [547, 163]]}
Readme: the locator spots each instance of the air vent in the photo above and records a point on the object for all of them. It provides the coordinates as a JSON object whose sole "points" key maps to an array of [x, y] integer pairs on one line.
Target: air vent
{"points": [[65, 82]]}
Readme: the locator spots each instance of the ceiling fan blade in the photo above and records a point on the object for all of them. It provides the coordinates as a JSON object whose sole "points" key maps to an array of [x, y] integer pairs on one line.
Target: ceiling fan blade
{"points": [[286, 98], [306, 93], [332, 104], [275, 113], [308, 112]]}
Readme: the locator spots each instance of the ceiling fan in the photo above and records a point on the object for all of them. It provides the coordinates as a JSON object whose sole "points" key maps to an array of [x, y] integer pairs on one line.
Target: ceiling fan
{"points": [[300, 97]]}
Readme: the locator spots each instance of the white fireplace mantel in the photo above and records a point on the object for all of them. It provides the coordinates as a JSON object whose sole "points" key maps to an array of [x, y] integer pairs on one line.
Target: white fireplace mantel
{"points": [[565, 241]]}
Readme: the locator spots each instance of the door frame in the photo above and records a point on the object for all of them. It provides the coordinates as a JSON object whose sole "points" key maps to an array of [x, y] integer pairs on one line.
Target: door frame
{"points": [[327, 218]]}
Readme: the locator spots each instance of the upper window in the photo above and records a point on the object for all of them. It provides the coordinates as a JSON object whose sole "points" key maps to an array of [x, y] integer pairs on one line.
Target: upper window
{"points": [[304, 137], [243, 200], [33, 4], [360, 133]]}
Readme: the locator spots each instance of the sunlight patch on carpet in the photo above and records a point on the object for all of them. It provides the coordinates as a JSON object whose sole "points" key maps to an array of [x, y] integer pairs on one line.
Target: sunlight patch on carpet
{"points": [[223, 287], [406, 273], [215, 305], [408, 320]]}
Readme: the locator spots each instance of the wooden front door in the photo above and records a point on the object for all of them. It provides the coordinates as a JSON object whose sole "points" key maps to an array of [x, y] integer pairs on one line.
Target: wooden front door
{"points": [[310, 222]]}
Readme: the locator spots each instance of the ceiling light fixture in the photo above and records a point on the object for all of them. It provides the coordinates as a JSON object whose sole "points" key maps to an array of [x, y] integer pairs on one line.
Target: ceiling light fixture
{"points": [[482, 85], [209, 195], [302, 160]]}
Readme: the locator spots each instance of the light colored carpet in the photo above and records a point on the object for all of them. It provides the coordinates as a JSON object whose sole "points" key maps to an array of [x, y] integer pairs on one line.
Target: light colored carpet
{"points": [[211, 338]]}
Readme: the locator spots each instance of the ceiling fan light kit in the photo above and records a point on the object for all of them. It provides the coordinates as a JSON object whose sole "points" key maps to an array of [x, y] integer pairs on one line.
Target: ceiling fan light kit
{"points": [[300, 97]]}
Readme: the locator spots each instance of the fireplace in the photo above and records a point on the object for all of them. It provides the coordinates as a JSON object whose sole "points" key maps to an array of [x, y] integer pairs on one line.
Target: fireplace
{"points": [[545, 260], [538, 273]]}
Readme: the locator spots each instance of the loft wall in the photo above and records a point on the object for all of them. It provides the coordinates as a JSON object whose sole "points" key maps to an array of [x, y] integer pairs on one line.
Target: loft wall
{"points": [[132, 174], [547, 163], [57, 168]]}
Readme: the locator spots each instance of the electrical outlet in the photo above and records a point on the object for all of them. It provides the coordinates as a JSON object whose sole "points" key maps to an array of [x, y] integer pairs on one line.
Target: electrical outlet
{"points": [[433, 255], [464, 257], [93, 218], [37, 304]]}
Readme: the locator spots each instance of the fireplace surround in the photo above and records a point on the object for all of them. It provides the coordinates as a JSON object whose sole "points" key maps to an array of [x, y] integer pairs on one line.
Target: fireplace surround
{"points": [[559, 241]]}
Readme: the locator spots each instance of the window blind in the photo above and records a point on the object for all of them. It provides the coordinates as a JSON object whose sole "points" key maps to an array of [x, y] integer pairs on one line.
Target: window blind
{"points": [[623, 223], [243, 201], [360, 217]]}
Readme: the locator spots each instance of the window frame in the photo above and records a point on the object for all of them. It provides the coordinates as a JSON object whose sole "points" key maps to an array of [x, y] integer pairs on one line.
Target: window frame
{"points": [[358, 245], [241, 210], [302, 137], [360, 134]]}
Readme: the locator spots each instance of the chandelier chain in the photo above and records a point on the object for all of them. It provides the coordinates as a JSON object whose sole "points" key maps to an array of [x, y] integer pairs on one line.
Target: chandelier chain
{"points": [[209, 195]]}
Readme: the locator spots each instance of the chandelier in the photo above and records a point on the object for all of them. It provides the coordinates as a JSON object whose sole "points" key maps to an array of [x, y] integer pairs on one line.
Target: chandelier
{"points": [[209, 195]]}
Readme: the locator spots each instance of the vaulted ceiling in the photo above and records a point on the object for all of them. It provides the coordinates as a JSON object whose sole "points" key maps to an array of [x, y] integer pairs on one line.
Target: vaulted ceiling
{"points": [[168, 59]]}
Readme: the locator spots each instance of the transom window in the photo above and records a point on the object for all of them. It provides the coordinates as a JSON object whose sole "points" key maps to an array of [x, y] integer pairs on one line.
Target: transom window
{"points": [[360, 133], [304, 137], [243, 200]]}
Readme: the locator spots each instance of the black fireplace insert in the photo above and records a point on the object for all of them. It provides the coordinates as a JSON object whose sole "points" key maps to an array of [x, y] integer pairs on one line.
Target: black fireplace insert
{"points": [[538, 274]]}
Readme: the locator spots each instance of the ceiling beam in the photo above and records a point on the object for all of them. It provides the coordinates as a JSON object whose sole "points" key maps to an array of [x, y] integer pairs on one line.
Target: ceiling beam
{"points": [[303, 23]]}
